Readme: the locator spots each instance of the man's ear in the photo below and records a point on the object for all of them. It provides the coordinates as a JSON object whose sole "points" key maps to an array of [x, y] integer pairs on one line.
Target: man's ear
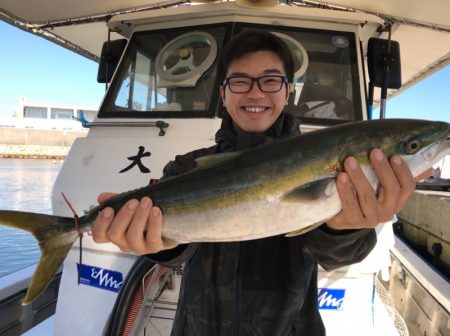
{"points": [[222, 94], [288, 92]]}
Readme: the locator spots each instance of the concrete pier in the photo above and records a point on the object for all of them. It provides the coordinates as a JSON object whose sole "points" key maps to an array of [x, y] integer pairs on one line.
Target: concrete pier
{"points": [[33, 152], [23, 143]]}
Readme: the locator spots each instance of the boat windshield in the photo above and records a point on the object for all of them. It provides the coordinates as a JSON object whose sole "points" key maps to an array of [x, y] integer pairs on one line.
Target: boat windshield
{"points": [[171, 73]]}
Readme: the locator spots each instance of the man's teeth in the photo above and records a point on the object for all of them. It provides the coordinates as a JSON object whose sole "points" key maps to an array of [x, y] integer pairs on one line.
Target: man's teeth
{"points": [[255, 109]]}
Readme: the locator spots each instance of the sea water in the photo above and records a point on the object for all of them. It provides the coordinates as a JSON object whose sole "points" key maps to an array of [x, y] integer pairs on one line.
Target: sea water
{"points": [[25, 185]]}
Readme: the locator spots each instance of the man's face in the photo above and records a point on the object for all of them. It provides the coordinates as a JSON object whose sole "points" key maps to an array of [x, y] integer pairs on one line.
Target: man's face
{"points": [[255, 111]]}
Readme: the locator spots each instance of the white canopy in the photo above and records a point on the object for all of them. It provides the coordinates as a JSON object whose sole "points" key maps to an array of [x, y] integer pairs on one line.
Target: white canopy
{"points": [[421, 27]]}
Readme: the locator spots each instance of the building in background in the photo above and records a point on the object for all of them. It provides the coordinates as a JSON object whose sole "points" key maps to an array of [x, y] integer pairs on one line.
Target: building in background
{"points": [[48, 116]]}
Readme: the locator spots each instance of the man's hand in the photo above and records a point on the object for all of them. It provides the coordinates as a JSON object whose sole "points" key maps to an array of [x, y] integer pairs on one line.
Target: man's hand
{"points": [[136, 227], [363, 207]]}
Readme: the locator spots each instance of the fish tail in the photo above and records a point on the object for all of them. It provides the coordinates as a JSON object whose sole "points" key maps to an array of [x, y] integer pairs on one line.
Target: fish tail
{"points": [[55, 236]]}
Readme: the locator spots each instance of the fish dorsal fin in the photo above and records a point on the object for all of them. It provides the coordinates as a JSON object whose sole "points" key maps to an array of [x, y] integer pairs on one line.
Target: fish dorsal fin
{"points": [[311, 191], [212, 160]]}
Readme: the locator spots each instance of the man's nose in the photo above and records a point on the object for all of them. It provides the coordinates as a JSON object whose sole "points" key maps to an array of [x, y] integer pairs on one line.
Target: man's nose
{"points": [[255, 91]]}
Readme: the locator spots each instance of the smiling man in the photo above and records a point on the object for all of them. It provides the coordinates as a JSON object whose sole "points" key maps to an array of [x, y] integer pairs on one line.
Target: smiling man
{"points": [[265, 286]]}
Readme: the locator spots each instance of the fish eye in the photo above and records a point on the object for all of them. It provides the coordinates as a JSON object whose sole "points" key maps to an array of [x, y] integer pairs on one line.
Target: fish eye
{"points": [[411, 146]]}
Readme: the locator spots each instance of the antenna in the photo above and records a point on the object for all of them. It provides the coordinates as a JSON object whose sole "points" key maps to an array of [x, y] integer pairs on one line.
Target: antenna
{"points": [[383, 59], [384, 87]]}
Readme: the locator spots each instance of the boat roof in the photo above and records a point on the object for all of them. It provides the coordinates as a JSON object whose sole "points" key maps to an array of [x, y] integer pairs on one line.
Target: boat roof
{"points": [[421, 27]]}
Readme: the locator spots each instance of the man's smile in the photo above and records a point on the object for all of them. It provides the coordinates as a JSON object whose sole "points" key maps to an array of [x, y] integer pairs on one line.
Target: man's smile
{"points": [[255, 109]]}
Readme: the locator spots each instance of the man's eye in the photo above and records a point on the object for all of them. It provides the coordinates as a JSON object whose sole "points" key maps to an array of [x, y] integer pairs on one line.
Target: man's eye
{"points": [[271, 80], [239, 82]]}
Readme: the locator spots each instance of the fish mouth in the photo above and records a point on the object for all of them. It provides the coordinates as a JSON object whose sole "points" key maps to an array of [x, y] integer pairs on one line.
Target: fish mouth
{"points": [[429, 155], [437, 151], [444, 145]]}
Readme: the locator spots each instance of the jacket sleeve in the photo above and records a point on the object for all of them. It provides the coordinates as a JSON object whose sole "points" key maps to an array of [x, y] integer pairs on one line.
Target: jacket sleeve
{"points": [[174, 257], [333, 249]]}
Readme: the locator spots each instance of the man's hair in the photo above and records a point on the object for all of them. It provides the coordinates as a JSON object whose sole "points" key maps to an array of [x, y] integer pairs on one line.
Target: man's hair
{"points": [[250, 41]]}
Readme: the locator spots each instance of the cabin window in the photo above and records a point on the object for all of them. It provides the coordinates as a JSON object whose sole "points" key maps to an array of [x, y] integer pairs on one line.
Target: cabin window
{"points": [[328, 90], [170, 73]]}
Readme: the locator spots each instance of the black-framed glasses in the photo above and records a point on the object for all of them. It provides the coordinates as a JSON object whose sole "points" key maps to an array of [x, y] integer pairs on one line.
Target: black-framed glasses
{"points": [[268, 83]]}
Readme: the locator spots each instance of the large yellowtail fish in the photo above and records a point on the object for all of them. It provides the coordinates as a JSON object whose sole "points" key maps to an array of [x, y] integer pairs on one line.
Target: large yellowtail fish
{"points": [[286, 187]]}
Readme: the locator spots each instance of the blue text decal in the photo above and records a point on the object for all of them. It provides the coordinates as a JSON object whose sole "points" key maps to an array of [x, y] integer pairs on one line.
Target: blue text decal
{"points": [[330, 298], [100, 277]]}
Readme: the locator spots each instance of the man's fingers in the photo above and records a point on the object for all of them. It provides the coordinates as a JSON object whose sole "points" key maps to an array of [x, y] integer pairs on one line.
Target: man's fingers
{"points": [[386, 176], [389, 187], [117, 231], [351, 213], [137, 226], [364, 191], [154, 230], [102, 223], [136, 230], [361, 205], [405, 179], [104, 196]]}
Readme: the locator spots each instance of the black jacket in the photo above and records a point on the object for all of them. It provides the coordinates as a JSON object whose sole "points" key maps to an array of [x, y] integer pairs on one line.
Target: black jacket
{"points": [[260, 287]]}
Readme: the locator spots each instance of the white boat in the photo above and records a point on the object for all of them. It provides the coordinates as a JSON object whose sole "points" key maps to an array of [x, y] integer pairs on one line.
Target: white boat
{"points": [[162, 100]]}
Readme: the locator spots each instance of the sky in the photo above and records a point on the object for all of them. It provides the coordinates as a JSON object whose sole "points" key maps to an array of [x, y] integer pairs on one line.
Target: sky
{"points": [[44, 72]]}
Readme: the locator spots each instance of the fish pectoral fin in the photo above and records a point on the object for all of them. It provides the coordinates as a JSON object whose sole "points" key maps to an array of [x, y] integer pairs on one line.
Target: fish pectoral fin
{"points": [[311, 191], [304, 230], [211, 160], [51, 259]]}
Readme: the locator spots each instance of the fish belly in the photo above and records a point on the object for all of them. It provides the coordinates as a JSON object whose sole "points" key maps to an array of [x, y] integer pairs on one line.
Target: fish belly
{"points": [[250, 220]]}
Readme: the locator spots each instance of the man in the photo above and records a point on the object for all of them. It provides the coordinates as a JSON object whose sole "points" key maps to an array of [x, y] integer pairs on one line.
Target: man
{"points": [[266, 286]]}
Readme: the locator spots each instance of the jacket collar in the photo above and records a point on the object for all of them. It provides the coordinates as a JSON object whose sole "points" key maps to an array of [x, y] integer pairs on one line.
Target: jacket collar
{"points": [[228, 139]]}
